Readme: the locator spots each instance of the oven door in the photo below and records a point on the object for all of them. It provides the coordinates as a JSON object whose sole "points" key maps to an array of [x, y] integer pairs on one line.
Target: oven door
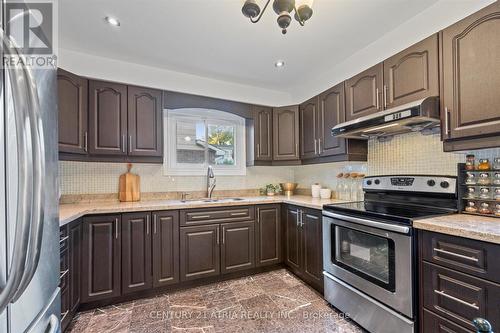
{"points": [[373, 257]]}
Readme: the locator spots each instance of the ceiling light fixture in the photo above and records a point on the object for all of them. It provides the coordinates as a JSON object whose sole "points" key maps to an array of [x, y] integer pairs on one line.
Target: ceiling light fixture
{"points": [[279, 64], [112, 21], [283, 8]]}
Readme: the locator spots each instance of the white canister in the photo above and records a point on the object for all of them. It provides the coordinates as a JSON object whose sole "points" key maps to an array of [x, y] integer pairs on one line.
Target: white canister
{"points": [[315, 190], [325, 193]]}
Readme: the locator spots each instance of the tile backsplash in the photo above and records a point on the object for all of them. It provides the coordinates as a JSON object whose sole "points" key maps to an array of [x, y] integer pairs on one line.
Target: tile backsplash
{"points": [[405, 154]]}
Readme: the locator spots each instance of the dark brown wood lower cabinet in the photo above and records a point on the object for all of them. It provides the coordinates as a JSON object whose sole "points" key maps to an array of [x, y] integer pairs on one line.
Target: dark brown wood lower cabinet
{"points": [[165, 248], [101, 258], [75, 264], [199, 252], [436, 324], [238, 246], [304, 244], [136, 252], [268, 235]]}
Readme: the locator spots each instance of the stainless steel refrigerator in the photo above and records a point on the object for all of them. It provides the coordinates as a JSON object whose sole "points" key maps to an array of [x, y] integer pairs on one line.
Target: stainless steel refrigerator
{"points": [[29, 223]]}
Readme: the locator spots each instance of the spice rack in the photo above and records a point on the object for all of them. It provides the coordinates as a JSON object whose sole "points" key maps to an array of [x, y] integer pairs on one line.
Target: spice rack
{"points": [[479, 187]]}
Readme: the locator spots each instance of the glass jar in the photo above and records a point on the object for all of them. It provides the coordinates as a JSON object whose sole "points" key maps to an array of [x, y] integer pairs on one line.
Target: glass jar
{"points": [[497, 209], [471, 207], [340, 186], [485, 208], [470, 163], [484, 164], [484, 179], [484, 193], [496, 163], [497, 194], [496, 178], [346, 188], [471, 179], [471, 192]]}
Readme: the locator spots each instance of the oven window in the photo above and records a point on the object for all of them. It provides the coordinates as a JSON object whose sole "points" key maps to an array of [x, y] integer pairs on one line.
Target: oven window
{"points": [[368, 256]]}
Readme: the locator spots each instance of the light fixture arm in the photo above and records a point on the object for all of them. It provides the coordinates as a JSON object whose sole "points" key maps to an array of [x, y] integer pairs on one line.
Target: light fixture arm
{"points": [[261, 13]]}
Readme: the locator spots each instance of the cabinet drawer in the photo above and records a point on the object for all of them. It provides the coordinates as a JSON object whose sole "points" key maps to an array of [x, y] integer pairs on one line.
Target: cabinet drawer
{"points": [[465, 255], [216, 215], [460, 297], [436, 324]]}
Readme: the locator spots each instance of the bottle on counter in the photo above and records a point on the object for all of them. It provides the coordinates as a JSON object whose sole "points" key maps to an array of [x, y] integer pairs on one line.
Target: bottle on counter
{"points": [[496, 163], [496, 178], [471, 179], [497, 194], [484, 193], [497, 209], [471, 192], [484, 179], [471, 207], [485, 208], [484, 164], [470, 163], [340, 186]]}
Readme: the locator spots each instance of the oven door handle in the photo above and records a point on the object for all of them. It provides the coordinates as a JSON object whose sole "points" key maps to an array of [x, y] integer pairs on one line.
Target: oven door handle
{"points": [[369, 223]]}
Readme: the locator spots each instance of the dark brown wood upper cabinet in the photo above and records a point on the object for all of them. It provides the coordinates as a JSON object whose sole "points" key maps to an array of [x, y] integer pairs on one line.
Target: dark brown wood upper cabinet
{"points": [[136, 252], [268, 235], [107, 118], [238, 246], [412, 74], [165, 248], [364, 93], [286, 133], [263, 125], [145, 136], [331, 113], [471, 77], [309, 115], [73, 112], [199, 252], [101, 258]]}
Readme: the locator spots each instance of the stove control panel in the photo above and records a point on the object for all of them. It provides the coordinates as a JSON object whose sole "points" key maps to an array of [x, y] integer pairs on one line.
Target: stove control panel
{"points": [[410, 183]]}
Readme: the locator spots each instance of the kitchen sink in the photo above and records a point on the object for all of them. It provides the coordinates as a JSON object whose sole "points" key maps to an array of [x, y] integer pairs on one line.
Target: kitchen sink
{"points": [[212, 200]]}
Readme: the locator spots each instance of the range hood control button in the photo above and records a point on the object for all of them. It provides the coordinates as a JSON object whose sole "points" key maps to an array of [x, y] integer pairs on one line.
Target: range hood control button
{"points": [[445, 184], [431, 182], [377, 181], [369, 182]]}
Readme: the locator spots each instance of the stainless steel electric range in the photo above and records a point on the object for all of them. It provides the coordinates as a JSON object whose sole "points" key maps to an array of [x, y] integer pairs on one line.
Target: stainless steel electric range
{"points": [[369, 255]]}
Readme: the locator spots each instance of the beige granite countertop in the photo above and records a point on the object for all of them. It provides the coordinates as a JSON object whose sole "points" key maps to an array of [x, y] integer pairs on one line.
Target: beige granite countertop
{"points": [[70, 212], [481, 228]]}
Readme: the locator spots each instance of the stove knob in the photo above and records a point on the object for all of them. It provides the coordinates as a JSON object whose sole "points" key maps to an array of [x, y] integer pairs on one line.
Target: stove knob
{"points": [[445, 184], [377, 181], [368, 182], [431, 182]]}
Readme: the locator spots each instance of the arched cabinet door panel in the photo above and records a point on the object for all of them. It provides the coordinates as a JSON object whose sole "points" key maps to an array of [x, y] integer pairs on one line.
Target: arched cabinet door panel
{"points": [[286, 133], [364, 92]]}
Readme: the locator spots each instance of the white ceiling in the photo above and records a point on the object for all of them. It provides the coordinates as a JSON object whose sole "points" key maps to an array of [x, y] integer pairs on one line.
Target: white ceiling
{"points": [[211, 38]]}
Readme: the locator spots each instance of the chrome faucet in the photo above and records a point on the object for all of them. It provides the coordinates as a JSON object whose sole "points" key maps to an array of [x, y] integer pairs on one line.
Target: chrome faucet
{"points": [[210, 187]]}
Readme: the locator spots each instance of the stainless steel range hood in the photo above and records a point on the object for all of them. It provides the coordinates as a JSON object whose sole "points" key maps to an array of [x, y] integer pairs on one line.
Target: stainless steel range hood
{"points": [[422, 115]]}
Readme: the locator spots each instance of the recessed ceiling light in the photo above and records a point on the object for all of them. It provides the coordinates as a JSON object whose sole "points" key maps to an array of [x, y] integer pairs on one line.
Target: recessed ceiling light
{"points": [[112, 21], [279, 64]]}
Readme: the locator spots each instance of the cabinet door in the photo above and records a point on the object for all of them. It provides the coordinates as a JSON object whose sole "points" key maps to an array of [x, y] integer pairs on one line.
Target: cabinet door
{"points": [[73, 112], [107, 118], [268, 235], [331, 113], [199, 252], [145, 136], [165, 248], [136, 252], [238, 246], [471, 75], [293, 241], [308, 128], [75, 264], [312, 247], [363, 93], [263, 122], [286, 133], [101, 258], [412, 74]]}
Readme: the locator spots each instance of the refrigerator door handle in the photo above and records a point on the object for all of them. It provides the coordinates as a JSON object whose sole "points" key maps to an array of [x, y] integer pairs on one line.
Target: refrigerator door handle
{"points": [[25, 183]]}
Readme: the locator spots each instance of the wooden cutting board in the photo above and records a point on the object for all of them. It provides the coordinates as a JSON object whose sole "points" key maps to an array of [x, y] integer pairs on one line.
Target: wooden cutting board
{"points": [[129, 186]]}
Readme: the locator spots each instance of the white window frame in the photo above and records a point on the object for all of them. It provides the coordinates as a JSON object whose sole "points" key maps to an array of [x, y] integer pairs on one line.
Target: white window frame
{"points": [[170, 165]]}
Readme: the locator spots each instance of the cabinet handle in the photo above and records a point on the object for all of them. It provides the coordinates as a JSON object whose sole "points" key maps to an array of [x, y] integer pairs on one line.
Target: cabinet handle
{"points": [[223, 236], [85, 142], [64, 314], [130, 143], [446, 122], [297, 149], [385, 96], [218, 236], [298, 217], [453, 298], [154, 223], [315, 145], [457, 255], [123, 143], [319, 146], [200, 217], [377, 103], [238, 214], [63, 239], [147, 224], [63, 273], [258, 150], [116, 228], [301, 218]]}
